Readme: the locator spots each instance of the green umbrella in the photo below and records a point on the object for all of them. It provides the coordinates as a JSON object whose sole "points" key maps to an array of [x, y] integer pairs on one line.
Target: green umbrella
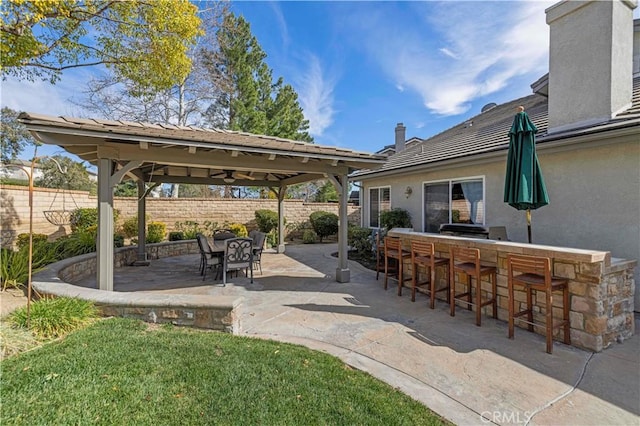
{"points": [[524, 186]]}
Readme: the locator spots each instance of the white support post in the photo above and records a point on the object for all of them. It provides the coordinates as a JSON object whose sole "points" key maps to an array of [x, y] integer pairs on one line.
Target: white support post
{"points": [[281, 193], [343, 274], [105, 226]]}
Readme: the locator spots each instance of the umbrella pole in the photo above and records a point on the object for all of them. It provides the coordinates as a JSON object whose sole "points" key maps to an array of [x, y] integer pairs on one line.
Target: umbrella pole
{"points": [[529, 225]]}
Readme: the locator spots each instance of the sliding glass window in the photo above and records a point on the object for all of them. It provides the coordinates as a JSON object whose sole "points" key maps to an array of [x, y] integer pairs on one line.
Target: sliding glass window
{"points": [[379, 201], [453, 201]]}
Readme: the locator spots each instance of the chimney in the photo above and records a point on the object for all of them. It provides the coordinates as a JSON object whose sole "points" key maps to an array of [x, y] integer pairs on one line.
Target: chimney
{"points": [[401, 137], [590, 61]]}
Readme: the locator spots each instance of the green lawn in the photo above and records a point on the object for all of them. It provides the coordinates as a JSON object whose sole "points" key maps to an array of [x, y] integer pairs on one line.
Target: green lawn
{"points": [[121, 372]]}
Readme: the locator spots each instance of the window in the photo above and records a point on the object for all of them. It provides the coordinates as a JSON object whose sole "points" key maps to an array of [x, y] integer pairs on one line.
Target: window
{"points": [[379, 201], [454, 201]]}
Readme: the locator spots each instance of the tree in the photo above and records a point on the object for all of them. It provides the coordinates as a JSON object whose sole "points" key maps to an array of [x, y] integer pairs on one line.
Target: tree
{"points": [[145, 42], [326, 192], [64, 173], [14, 136], [127, 188], [117, 98], [249, 100]]}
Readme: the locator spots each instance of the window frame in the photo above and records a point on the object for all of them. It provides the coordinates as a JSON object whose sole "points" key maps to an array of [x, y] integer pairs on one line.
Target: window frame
{"points": [[369, 199], [452, 182]]}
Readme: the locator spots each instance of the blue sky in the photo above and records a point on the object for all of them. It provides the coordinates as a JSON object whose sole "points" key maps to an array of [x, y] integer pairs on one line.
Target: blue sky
{"points": [[361, 67]]}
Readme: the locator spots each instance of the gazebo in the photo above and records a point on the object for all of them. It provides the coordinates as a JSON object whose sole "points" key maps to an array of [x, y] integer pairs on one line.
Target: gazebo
{"points": [[152, 154]]}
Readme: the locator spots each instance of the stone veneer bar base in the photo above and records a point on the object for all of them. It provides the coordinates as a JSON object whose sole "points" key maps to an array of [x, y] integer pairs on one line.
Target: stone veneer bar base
{"points": [[215, 313], [601, 289]]}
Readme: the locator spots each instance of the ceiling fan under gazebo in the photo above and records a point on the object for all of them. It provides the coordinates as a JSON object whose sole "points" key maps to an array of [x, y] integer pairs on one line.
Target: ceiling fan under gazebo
{"points": [[230, 176]]}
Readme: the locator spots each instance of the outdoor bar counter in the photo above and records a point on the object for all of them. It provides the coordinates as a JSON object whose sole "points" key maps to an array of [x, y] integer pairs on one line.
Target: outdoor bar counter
{"points": [[601, 288]]}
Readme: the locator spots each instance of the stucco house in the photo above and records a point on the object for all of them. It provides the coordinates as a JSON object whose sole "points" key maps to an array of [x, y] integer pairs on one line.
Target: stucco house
{"points": [[587, 111]]}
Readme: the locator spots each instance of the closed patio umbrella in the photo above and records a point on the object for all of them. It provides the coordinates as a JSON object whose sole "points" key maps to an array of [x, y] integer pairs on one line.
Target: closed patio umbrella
{"points": [[524, 187]]}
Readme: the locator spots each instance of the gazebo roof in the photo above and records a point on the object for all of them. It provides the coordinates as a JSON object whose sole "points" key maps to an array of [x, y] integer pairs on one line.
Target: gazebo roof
{"points": [[185, 154]]}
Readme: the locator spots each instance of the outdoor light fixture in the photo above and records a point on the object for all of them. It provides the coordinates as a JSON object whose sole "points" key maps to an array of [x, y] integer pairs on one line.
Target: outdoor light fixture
{"points": [[408, 191], [229, 177]]}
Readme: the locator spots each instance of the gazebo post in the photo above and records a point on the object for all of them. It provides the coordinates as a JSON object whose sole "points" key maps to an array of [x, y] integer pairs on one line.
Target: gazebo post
{"points": [[343, 274], [281, 193], [142, 224], [104, 267]]}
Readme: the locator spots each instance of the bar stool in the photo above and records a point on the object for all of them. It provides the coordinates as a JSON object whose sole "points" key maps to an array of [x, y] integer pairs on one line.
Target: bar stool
{"points": [[423, 254], [467, 261], [534, 273], [393, 250]]}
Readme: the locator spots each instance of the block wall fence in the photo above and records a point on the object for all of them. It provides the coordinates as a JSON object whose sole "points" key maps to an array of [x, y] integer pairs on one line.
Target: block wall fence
{"points": [[14, 208]]}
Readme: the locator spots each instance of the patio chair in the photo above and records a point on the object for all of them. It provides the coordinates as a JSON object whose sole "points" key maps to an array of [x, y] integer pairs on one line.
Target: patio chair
{"points": [[394, 252], [466, 261], [208, 259], [238, 255], [423, 254], [258, 245], [534, 273]]}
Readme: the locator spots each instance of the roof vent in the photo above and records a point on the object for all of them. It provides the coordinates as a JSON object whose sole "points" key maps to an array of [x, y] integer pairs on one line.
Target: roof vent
{"points": [[489, 106]]}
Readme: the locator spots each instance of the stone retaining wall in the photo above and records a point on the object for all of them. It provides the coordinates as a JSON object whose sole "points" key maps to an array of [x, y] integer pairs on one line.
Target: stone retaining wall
{"points": [[15, 210], [215, 313], [601, 289]]}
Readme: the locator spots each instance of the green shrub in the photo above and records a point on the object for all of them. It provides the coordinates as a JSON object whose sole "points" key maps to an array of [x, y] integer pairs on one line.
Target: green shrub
{"points": [[84, 217], [324, 223], [309, 237], [208, 228], [80, 242], [23, 240], [156, 232], [13, 268], [267, 220], [55, 317], [272, 238], [190, 228], [118, 240], [176, 236], [359, 239], [14, 264], [239, 229], [395, 218]]}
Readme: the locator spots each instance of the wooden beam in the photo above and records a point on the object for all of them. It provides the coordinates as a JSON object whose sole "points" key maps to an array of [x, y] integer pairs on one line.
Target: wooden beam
{"points": [[217, 160]]}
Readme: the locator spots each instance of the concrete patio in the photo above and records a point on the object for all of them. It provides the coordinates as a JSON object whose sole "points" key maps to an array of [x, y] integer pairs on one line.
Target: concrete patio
{"points": [[469, 375]]}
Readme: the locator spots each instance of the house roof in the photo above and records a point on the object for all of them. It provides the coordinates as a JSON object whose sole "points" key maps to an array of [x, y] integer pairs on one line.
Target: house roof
{"points": [[488, 132], [183, 154]]}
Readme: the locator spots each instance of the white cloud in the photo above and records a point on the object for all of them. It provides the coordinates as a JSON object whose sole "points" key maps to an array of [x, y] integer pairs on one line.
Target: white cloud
{"points": [[488, 44], [315, 91], [43, 97], [448, 52], [282, 23]]}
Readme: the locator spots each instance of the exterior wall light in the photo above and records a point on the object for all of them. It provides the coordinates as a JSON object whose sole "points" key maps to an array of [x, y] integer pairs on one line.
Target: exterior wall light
{"points": [[408, 191]]}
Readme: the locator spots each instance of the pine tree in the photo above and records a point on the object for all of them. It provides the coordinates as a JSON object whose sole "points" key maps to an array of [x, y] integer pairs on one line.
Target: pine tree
{"points": [[252, 102]]}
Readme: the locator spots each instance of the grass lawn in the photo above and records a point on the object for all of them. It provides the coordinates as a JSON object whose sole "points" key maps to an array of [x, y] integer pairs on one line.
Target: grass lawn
{"points": [[120, 371]]}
